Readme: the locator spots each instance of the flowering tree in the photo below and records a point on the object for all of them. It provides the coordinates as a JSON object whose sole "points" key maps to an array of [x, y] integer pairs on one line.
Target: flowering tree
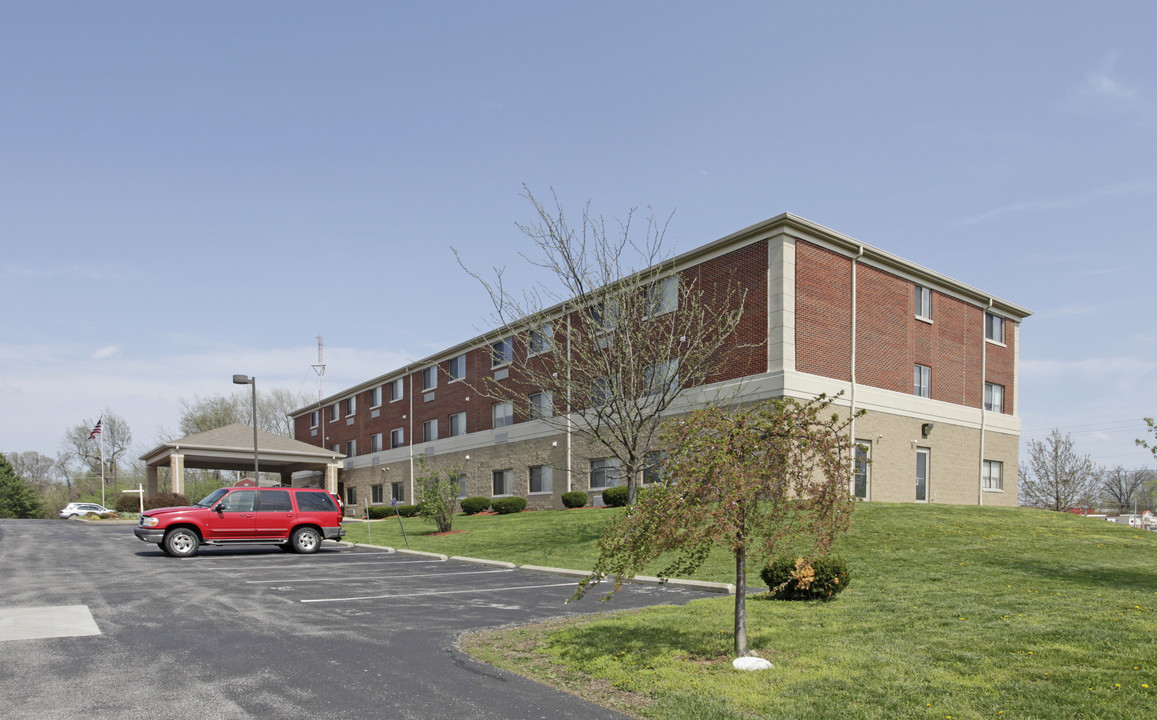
{"points": [[755, 481]]}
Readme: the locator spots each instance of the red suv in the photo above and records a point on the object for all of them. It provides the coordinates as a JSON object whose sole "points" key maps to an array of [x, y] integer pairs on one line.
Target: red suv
{"points": [[293, 518]]}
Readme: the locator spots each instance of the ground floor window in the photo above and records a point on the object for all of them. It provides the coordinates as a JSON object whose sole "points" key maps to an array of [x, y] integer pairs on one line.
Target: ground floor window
{"points": [[863, 457], [604, 472], [397, 492], [461, 480], [923, 471], [541, 479], [376, 494], [351, 495], [503, 484], [993, 475]]}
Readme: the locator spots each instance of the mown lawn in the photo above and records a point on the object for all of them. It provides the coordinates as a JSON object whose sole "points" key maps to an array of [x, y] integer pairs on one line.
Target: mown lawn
{"points": [[951, 612]]}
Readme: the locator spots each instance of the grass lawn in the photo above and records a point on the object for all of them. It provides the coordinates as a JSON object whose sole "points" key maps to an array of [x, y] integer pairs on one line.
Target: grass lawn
{"points": [[951, 612]]}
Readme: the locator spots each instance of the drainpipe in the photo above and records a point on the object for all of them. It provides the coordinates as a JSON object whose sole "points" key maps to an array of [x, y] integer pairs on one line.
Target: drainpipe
{"points": [[410, 429], [983, 415], [852, 397]]}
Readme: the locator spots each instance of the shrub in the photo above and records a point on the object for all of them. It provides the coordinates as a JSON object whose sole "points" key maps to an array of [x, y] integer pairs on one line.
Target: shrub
{"points": [[575, 499], [378, 512], [107, 516], [506, 506], [161, 500], [615, 496], [128, 504], [407, 511], [821, 580], [474, 505]]}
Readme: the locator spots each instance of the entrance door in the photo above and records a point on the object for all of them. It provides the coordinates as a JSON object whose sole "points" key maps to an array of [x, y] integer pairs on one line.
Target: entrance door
{"points": [[861, 481], [923, 466]]}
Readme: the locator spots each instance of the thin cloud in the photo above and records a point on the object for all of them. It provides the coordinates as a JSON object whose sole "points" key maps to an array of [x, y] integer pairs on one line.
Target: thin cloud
{"points": [[1137, 187], [1103, 91], [106, 352]]}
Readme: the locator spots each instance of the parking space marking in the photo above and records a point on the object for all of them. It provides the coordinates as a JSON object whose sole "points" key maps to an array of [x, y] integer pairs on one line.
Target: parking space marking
{"points": [[355, 578], [439, 592], [246, 568]]}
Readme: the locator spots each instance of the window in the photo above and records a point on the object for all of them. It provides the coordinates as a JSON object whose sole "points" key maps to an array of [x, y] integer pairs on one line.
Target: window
{"points": [[376, 494], [605, 317], [922, 381], [336, 447], [993, 475], [994, 327], [503, 414], [398, 492], [541, 479], [430, 431], [376, 397], [661, 378], [376, 442], [351, 405], [923, 302], [501, 353], [274, 501], [923, 472], [239, 501], [652, 467], [602, 390], [863, 456], [661, 296], [461, 480], [334, 412], [314, 417], [502, 482], [397, 390], [541, 405], [314, 501], [994, 397], [457, 424], [397, 438], [605, 472], [457, 368], [351, 448], [430, 378], [540, 339], [351, 495]]}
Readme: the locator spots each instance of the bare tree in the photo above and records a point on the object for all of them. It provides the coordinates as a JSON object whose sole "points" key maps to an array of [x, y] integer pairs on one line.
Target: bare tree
{"points": [[1056, 477], [202, 414], [84, 444], [37, 469], [1122, 486], [607, 345]]}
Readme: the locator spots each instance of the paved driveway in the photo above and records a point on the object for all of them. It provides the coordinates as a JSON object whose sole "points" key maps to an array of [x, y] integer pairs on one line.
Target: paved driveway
{"points": [[257, 633]]}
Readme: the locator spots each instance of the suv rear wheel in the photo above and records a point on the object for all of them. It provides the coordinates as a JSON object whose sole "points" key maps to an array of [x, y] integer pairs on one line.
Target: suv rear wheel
{"points": [[305, 540], [181, 542]]}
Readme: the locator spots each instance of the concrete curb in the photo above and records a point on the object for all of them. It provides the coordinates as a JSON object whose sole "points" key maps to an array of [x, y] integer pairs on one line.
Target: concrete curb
{"points": [[556, 571], [419, 553], [480, 561]]}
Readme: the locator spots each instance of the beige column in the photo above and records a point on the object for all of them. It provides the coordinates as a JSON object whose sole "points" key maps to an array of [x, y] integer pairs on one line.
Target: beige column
{"points": [[150, 482], [177, 473], [331, 476], [781, 304]]}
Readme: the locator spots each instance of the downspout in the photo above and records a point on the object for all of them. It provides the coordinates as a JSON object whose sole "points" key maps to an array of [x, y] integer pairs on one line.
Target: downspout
{"points": [[852, 398], [410, 430], [983, 415]]}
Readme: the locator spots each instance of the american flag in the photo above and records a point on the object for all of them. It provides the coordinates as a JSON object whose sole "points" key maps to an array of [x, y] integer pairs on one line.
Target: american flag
{"points": [[96, 430]]}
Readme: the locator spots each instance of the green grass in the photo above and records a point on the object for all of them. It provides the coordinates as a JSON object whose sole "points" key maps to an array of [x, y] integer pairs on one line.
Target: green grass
{"points": [[951, 612]]}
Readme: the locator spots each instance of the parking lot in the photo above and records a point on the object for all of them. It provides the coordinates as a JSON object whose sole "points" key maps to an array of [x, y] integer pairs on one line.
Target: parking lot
{"points": [[254, 632]]}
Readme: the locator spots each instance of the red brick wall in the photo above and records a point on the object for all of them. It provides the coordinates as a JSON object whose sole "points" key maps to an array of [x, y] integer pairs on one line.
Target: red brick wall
{"points": [[885, 316], [823, 312], [747, 269]]}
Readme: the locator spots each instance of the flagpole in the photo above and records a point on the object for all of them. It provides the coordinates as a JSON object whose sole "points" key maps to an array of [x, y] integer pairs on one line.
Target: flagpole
{"points": [[102, 500]]}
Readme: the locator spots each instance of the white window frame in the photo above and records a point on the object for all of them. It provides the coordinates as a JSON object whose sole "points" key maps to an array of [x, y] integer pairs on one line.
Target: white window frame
{"points": [[992, 476], [430, 378], [652, 464], [545, 480], [543, 407], [376, 442], [994, 328], [377, 492], [502, 414], [351, 406], [606, 472], [314, 418], [862, 464], [922, 381], [540, 339], [923, 303], [605, 320], [461, 424], [430, 430], [507, 479], [666, 370], [397, 390], [351, 448], [397, 438], [335, 412], [501, 353], [603, 390], [376, 397], [457, 369], [661, 297], [461, 480], [398, 492], [993, 397]]}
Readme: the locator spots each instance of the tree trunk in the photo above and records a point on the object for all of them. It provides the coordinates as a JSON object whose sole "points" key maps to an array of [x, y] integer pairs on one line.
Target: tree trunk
{"points": [[741, 602]]}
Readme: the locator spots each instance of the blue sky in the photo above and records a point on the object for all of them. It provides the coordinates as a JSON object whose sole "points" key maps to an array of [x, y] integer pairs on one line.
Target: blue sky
{"points": [[192, 190]]}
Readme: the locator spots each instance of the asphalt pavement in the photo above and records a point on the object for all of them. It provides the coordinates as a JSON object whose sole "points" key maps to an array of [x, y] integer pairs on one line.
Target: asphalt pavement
{"points": [[102, 625]]}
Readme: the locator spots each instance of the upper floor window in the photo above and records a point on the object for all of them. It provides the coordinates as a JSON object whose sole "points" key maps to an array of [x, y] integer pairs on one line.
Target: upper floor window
{"points": [[314, 417], [994, 397], [994, 327], [457, 424], [335, 412], [351, 405], [376, 397], [397, 438], [541, 405], [661, 296], [602, 391], [376, 442], [503, 413], [922, 381], [457, 368], [501, 352], [923, 303], [662, 377], [430, 378], [605, 316], [351, 448], [430, 431], [397, 390], [540, 339]]}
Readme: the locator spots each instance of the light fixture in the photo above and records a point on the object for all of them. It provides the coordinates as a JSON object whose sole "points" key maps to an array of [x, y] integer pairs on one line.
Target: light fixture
{"points": [[246, 380], [926, 429]]}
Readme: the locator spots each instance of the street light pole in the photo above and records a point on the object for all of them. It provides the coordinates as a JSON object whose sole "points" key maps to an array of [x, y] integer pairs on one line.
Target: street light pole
{"points": [[246, 380]]}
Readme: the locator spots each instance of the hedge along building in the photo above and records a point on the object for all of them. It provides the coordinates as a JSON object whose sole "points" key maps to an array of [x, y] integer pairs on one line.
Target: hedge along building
{"points": [[932, 362]]}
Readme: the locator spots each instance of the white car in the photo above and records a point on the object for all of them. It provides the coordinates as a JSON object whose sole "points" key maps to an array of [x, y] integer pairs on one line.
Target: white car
{"points": [[78, 509]]}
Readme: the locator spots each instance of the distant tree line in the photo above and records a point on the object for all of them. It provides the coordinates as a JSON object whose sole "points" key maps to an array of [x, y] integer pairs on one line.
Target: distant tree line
{"points": [[1055, 476]]}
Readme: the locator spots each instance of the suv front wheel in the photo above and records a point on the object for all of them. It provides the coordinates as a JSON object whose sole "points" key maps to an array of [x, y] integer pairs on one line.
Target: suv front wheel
{"points": [[305, 540], [181, 542]]}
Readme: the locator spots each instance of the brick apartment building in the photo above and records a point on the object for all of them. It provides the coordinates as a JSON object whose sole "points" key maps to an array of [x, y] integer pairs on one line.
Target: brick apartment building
{"points": [[932, 361]]}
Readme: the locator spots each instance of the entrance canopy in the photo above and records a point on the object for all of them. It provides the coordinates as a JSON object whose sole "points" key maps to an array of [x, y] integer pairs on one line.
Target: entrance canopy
{"points": [[231, 448]]}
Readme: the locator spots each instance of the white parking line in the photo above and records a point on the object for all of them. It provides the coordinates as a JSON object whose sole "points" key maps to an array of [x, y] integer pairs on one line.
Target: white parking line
{"points": [[355, 578], [247, 568], [438, 592]]}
